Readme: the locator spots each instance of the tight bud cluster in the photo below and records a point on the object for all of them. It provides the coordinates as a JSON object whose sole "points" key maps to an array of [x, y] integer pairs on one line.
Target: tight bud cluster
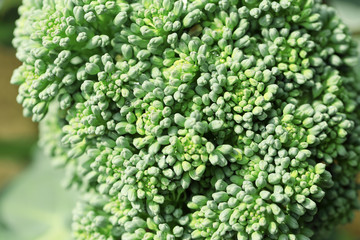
{"points": [[197, 119]]}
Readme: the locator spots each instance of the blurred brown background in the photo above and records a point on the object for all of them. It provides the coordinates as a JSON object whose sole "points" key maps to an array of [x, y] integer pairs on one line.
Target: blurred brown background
{"points": [[18, 135]]}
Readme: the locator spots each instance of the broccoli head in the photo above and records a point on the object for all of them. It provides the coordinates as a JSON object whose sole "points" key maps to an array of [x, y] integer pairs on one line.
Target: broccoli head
{"points": [[195, 119]]}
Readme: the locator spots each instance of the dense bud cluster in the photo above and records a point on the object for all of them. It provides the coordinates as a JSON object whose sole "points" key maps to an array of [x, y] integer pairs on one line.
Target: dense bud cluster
{"points": [[204, 119]]}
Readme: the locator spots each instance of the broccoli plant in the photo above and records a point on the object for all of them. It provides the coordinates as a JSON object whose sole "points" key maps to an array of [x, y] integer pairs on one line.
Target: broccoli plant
{"points": [[195, 119]]}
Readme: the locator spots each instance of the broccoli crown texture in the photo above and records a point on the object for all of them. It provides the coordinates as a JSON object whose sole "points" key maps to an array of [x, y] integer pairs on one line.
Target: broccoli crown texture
{"points": [[195, 119]]}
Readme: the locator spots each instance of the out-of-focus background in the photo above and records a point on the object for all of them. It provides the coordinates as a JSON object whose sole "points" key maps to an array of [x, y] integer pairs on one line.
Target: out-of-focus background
{"points": [[17, 134], [32, 203]]}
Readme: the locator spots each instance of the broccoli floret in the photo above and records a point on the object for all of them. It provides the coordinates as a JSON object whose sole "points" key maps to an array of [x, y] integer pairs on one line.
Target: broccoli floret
{"points": [[197, 119]]}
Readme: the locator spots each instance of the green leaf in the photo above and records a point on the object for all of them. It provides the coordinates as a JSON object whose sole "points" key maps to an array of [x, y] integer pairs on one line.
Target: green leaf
{"points": [[35, 206], [5, 5]]}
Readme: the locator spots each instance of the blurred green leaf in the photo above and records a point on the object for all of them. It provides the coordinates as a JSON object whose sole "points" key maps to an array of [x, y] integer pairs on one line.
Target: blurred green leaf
{"points": [[341, 235], [19, 149], [35, 206], [6, 33], [5, 5], [348, 10], [8, 15]]}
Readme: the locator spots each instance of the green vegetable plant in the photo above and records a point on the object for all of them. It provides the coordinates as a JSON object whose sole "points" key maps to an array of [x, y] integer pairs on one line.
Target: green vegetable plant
{"points": [[204, 119]]}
